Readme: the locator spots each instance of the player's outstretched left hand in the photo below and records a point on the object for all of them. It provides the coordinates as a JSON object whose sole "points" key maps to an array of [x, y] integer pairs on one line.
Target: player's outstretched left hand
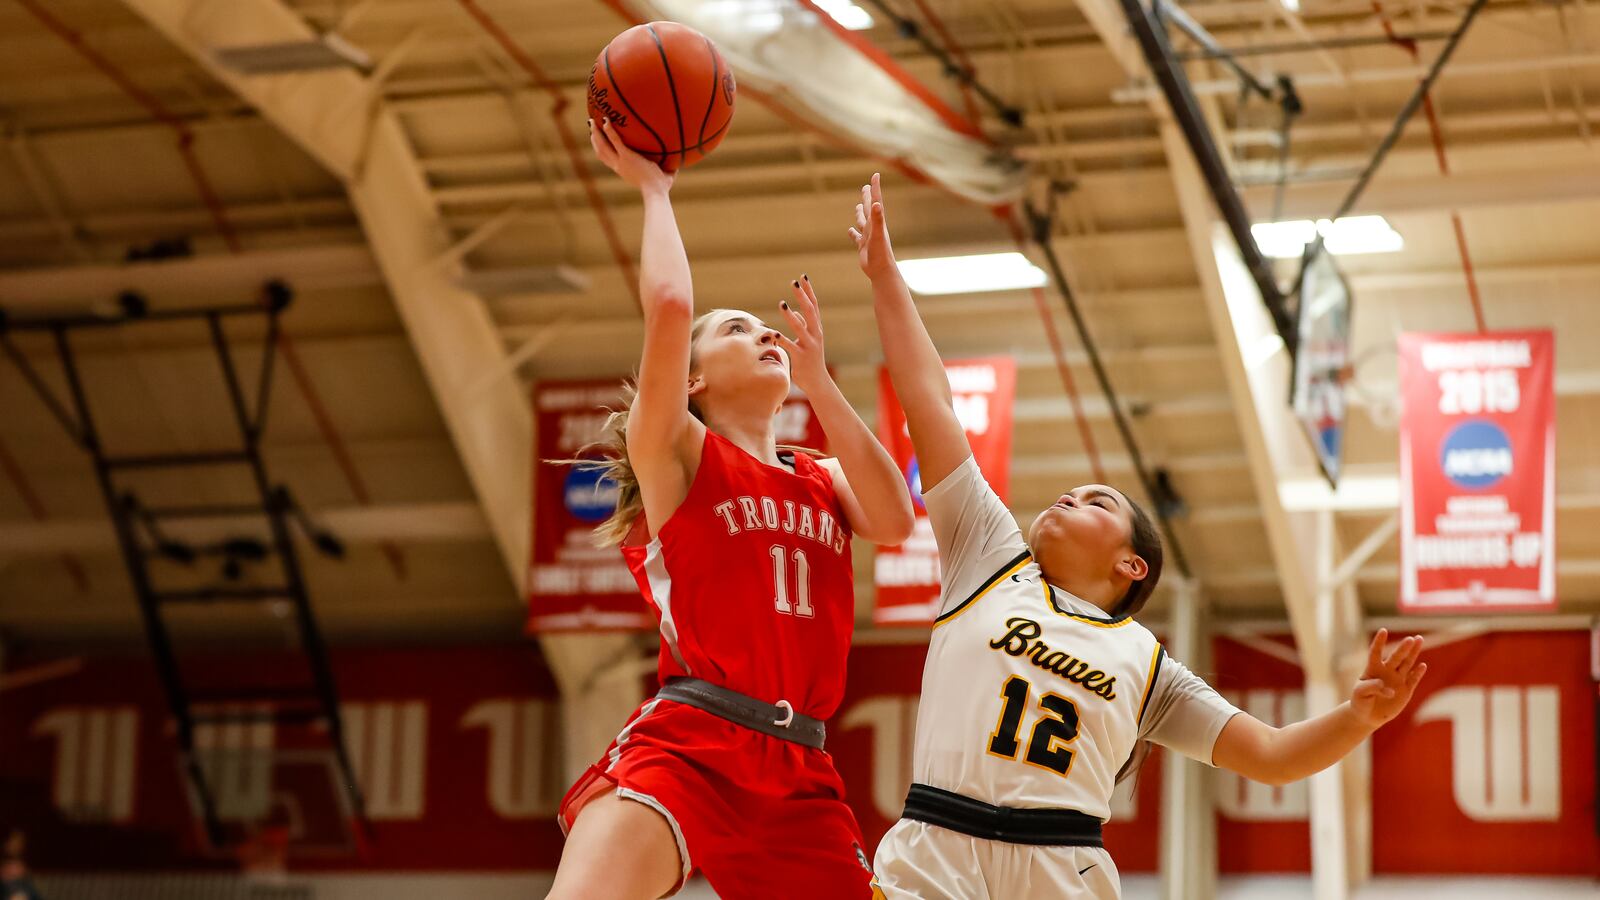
{"points": [[1389, 680], [808, 366]]}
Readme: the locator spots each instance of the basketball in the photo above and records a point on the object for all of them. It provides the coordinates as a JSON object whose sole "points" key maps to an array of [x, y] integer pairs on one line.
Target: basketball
{"points": [[667, 91]]}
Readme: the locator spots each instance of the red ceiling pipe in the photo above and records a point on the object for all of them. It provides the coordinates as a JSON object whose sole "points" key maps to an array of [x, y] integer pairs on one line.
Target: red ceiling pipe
{"points": [[579, 164], [957, 51], [1068, 383], [1436, 132], [285, 345]]}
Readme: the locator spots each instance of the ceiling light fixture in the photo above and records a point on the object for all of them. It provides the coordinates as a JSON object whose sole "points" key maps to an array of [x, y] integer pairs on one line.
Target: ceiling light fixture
{"points": [[974, 274], [1341, 237]]}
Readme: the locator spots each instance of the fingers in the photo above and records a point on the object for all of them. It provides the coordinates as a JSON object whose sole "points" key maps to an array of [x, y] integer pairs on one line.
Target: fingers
{"points": [[602, 145], [1375, 651], [1367, 688], [796, 321], [808, 293], [861, 218], [1404, 655], [879, 226], [806, 302], [877, 188], [857, 237], [1416, 675]]}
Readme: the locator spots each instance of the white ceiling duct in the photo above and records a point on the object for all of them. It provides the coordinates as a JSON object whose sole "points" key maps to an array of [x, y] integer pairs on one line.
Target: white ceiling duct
{"points": [[784, 50]]}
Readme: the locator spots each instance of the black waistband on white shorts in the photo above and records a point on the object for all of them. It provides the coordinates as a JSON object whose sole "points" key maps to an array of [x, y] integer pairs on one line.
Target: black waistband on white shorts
{"points": [[1014, 825]]}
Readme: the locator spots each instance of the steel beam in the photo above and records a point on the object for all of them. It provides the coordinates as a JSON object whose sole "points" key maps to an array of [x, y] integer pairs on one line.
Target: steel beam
{"points": [[339, 118]]}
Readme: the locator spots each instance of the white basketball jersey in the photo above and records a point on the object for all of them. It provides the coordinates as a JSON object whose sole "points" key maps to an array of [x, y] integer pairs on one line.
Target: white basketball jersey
{"points": [[1032, 697]]}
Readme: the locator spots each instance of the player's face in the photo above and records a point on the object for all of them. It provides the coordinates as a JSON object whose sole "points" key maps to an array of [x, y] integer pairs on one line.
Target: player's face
{"points": [[1090, 525], [736, 353]]}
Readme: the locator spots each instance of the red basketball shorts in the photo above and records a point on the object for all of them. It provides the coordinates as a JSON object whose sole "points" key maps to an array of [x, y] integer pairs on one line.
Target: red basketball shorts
{"points": [[762, 818]]}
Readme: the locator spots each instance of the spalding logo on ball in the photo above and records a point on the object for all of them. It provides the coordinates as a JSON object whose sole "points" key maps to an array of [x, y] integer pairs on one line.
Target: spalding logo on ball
{"points": [[667, 92]]}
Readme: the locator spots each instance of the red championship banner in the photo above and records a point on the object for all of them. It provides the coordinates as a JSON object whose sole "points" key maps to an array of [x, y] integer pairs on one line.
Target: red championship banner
{"points": [[574, 585], [984, 389], [1477, 468]]}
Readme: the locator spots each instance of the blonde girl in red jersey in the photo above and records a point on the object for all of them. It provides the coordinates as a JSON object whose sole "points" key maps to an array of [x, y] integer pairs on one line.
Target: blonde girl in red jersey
{"points": [[743, 550]]}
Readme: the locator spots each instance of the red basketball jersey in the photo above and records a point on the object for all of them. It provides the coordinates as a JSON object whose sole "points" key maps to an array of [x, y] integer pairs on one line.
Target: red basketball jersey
{"points": [[752, 581]]}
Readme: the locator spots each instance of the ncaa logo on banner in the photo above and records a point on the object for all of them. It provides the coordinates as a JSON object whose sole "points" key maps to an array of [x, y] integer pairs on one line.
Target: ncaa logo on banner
{"points": [[589, 495], [1476, 455]]}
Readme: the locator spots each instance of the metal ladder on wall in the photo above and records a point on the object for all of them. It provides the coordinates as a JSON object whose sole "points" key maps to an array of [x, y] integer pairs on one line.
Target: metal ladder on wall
{"points": [[141, 532]]}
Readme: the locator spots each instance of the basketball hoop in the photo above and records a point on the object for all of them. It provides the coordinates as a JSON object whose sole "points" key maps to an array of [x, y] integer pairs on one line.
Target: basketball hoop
{"points": [[1380, 400], [264, 855]]}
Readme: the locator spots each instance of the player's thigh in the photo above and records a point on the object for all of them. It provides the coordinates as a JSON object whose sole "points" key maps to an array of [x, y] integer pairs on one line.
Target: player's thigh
{"points": [[800, 848], [918, 861], [1067, 873], [618, 848]]}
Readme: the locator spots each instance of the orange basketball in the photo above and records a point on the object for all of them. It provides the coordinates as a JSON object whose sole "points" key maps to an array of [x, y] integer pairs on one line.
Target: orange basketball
{"points": [[666, 90]]}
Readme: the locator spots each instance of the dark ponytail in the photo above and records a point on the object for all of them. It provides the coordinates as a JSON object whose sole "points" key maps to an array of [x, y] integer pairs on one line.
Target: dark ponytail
{"points": [[1146, 541]]}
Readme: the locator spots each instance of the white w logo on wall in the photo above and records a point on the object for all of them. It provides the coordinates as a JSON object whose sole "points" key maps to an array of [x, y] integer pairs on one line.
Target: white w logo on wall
{"points": [[525, 777], [1244, 800], [1507, 750], [388, 746], [94, 760]]}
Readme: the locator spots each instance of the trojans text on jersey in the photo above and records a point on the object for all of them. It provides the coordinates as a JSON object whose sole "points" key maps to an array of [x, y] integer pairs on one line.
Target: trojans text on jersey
{"points": [[749, 513]]}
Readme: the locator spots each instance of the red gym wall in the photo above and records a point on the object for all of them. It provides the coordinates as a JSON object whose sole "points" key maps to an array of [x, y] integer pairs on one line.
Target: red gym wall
{"points": [[1491, 769]]}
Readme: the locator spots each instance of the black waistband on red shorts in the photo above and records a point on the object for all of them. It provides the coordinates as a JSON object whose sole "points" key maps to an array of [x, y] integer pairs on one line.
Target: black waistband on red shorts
{"points": [[776, 720], [1014, 825]]}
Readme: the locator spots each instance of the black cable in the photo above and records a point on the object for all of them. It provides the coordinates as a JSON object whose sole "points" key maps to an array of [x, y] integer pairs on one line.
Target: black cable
{"points": [[1009, 114], [1309, 46], [1040, 227], [1186, 115], [1398, 128], [1201, 36]]}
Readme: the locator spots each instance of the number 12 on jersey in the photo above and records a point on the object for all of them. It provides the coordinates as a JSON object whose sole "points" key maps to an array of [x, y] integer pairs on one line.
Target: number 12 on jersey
{"points": [[1051, 732]]}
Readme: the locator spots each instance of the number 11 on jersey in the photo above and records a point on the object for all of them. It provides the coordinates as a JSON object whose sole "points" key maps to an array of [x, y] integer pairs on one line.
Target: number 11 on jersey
{"points": [[780, 582], [1051, 733]]}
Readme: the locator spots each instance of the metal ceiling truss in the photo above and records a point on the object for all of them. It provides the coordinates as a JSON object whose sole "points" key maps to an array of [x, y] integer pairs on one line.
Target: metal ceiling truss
{"points": [[149, 548]]}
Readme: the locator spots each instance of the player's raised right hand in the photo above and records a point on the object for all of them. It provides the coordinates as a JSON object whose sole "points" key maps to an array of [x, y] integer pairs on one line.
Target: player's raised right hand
{"points": [[621, 159], [871, 232], [1389, 679]]}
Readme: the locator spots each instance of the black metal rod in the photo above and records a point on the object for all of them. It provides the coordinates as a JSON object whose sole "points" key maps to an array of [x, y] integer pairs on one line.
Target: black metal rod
{"points": [[89, 320], [1009, 114], [1410, 109], [174, 460], [274, 500], [36, 381], [212, 594], [1309, 46], [1186, 113], [269, 353], [1040, 228], [155, 629], [1201, 36], [1419, 94], [203, 511]]}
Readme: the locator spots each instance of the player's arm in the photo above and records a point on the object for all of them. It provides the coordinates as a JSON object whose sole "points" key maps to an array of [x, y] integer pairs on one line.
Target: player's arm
{"points": [[1277, 756], [662, 435], [866, 481], [914, 365]]}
